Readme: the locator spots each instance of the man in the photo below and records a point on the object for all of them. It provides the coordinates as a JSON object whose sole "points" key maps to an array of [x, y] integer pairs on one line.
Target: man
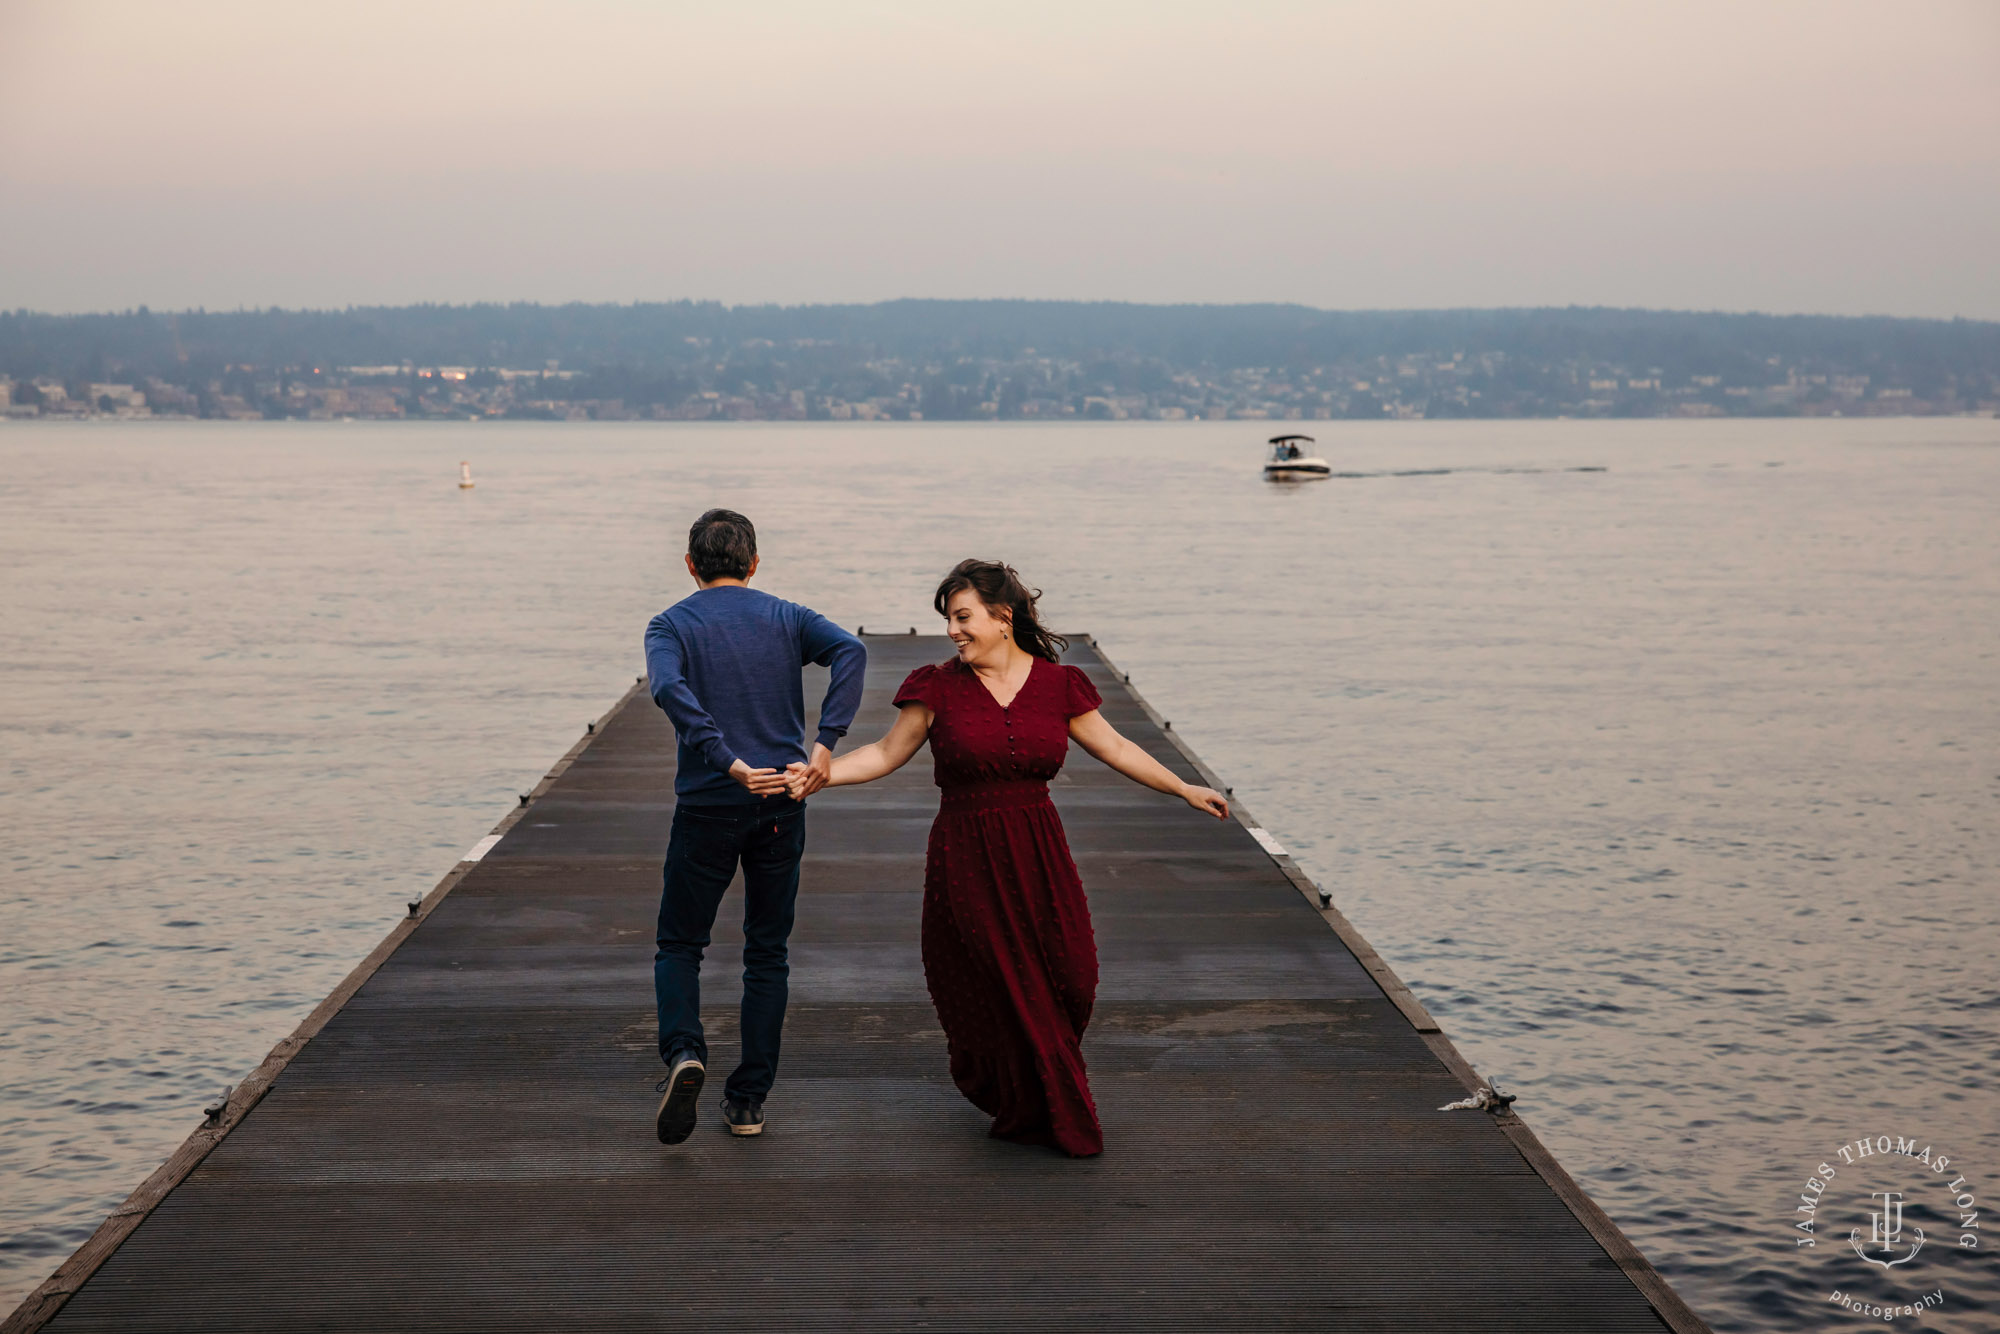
{"points": [[725, 665]]}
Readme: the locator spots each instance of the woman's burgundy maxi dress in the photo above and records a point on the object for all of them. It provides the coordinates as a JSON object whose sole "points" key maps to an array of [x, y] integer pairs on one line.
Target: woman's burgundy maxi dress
{"points": [[1008, 950]]}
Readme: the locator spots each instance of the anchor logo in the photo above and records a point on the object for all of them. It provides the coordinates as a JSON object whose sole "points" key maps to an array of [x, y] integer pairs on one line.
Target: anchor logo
{"points": [[1885, 1230]]}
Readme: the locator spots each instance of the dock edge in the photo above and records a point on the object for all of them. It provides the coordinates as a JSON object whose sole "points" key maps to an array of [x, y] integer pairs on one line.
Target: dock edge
{"points": [[1675, 1313], [41, 1305]]}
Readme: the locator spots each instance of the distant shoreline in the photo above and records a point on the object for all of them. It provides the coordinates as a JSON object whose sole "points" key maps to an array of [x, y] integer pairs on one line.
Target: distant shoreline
{"points": [[1249, 423], [990, 361]]}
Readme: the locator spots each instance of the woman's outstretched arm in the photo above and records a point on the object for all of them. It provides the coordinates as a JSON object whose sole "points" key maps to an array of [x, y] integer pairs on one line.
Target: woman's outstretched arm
{"points": [[1103, 741], [878, 759]]}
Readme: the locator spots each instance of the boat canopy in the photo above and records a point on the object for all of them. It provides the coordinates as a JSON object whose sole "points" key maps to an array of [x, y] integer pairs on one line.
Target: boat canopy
{"points": [[1280, 439]]}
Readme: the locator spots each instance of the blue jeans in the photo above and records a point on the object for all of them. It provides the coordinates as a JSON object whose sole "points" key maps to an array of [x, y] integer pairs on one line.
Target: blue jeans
{"points": [[708, 842]]}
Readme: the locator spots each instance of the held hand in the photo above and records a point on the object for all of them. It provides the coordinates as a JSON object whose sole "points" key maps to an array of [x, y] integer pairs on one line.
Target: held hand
{"points": [[796, 774], [817, 772], [758, 782], [1208, 800]]}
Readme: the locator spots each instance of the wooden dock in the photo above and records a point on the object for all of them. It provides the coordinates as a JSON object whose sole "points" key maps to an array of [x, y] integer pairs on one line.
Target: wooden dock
{"points": [[460, 1137]]}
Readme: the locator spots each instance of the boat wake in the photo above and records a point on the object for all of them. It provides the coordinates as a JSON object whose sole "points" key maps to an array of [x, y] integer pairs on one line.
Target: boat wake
{"points": [[1442, 472]]}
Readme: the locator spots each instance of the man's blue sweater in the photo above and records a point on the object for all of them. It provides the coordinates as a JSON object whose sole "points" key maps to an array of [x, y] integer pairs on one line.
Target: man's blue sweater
{"points": [[725, 665]]}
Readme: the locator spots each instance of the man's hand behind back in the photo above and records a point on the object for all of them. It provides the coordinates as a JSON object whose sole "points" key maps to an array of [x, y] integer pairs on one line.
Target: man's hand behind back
{"points": [[758, 782]]}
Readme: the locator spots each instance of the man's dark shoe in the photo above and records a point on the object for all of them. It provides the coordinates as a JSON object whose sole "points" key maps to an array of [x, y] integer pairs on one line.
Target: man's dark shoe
{"points": [[682, 1091], [744, 1117]]}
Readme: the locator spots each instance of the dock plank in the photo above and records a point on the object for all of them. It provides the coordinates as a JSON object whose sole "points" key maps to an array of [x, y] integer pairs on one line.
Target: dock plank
{"points": [[461, 1138]]}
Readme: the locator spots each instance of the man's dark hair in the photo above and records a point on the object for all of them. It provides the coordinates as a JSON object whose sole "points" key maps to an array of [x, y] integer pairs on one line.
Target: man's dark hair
{"points": [[723, 543]]}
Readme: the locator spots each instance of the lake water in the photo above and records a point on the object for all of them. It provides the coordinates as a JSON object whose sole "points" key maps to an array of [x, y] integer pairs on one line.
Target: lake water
{"points": [[1671, 789]]}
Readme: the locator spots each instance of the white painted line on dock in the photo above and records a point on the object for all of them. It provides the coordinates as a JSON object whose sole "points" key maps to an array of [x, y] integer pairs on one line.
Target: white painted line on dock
{"points": [[481, 848], [1266, 842]]}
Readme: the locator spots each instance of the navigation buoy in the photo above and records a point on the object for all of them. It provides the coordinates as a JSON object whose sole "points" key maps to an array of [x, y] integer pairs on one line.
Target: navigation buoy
{"points": [[464, 476]]}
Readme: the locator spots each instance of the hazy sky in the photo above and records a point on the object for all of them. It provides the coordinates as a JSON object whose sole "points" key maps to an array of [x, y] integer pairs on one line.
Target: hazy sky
{"points": [[1816, 155]]}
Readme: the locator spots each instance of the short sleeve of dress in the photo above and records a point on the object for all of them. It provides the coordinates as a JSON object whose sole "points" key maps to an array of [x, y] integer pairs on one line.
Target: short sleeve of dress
{"points": [[1083, 696], [919, 687]]}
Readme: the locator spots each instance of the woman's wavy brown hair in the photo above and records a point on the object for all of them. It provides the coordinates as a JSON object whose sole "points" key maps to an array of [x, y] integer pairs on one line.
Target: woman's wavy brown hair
{"points": [[997, 585]]}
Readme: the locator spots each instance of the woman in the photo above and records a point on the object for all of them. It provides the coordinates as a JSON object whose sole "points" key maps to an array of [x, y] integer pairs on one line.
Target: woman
{"points": [[1008, 951]]}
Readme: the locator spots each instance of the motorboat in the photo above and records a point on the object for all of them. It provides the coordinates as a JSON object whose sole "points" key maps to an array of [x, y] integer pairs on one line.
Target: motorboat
{"points": [[1292, 461]]}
